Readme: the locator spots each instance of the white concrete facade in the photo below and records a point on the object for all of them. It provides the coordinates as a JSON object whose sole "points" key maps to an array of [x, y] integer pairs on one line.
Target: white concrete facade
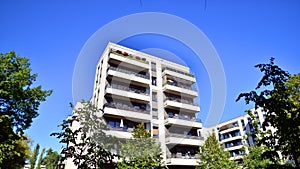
{"points": [[232, 134], [133, 87]]}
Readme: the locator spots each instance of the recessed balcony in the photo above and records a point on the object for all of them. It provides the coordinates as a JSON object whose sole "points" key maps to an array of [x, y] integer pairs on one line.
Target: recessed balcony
{"points": [[179, 89], [119, 133], [235, 147], [231, 139], [130, 92], [173, 102], [182, 120], [229, 128], [120, 127], [177, 73], [130, 59], [123, 110], [129, 75], [182, 161], [181, 139]]}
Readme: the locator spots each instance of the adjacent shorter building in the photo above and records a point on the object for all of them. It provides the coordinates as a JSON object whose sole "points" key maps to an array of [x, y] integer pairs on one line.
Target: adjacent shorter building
{"points": [[233, 134]]}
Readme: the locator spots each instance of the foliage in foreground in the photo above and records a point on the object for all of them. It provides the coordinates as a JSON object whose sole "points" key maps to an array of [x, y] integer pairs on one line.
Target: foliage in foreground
{"points": [[51, 159], [19, 103], [14, 149], [278, 94], [213, 156], [86, 141], [255, 160], [142, 151], [34, 156]]}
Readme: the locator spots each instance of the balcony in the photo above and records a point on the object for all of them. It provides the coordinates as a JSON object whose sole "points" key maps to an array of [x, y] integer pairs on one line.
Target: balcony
{"points": [[175, 138], [128, 91], [182, 155], [181, 103], [182, 120], [236, 154], [234, 145], [231, 139], [123, 110], [119, 133], [180, 89], [236, 157], [177, 73], [229, 128], [119, 127], [182, 161], [129, 75], [130, 59]]}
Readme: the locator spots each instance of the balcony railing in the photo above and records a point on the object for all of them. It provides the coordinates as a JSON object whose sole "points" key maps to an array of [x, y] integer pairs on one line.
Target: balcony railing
{"points": [[180, 100], [178, 71], [182, 117], [129, 89], [230, 135], [183, 155], [121, 106], [229, 126], [187, 136], [181, 85], [129, 72], [129, 56], [228, 145]]}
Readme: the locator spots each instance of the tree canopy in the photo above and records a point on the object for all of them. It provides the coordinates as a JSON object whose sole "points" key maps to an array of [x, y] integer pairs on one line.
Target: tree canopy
{"points": [[34, 156], [18, 99], [85, 139], [142, 151], [213, 156], [51, 159], [19, 103], [278, 93]]}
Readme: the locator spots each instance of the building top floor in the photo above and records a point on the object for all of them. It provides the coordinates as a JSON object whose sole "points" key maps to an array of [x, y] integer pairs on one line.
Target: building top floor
{"points": [[145, 58]]}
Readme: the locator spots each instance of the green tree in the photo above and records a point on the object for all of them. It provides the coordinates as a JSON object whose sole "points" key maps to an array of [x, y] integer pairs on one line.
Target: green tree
{"points": [[18, 99], [40, 159], [255, 160], [213, 156], [86, 141], [34, 156], [141, 151], [277, 93], [19, 103], [51, 159], [14, 149]]}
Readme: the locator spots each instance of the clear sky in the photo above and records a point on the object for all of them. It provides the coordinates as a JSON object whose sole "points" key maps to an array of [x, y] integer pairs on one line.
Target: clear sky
{"points": [[244, 33]]}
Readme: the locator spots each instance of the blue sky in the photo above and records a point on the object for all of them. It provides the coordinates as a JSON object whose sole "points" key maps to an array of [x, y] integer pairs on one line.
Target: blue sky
{"points": [[244, 33]]}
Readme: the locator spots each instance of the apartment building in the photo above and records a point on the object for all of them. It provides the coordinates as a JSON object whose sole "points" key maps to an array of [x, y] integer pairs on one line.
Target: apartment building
{"points": [[233, 134], [133, 87]]}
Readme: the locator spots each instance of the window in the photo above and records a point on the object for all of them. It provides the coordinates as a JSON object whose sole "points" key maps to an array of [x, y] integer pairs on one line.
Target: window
{"points": [[153, 80], [154, 113], [153, 66], [154, 96], [243, 123], [155, 132]]}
